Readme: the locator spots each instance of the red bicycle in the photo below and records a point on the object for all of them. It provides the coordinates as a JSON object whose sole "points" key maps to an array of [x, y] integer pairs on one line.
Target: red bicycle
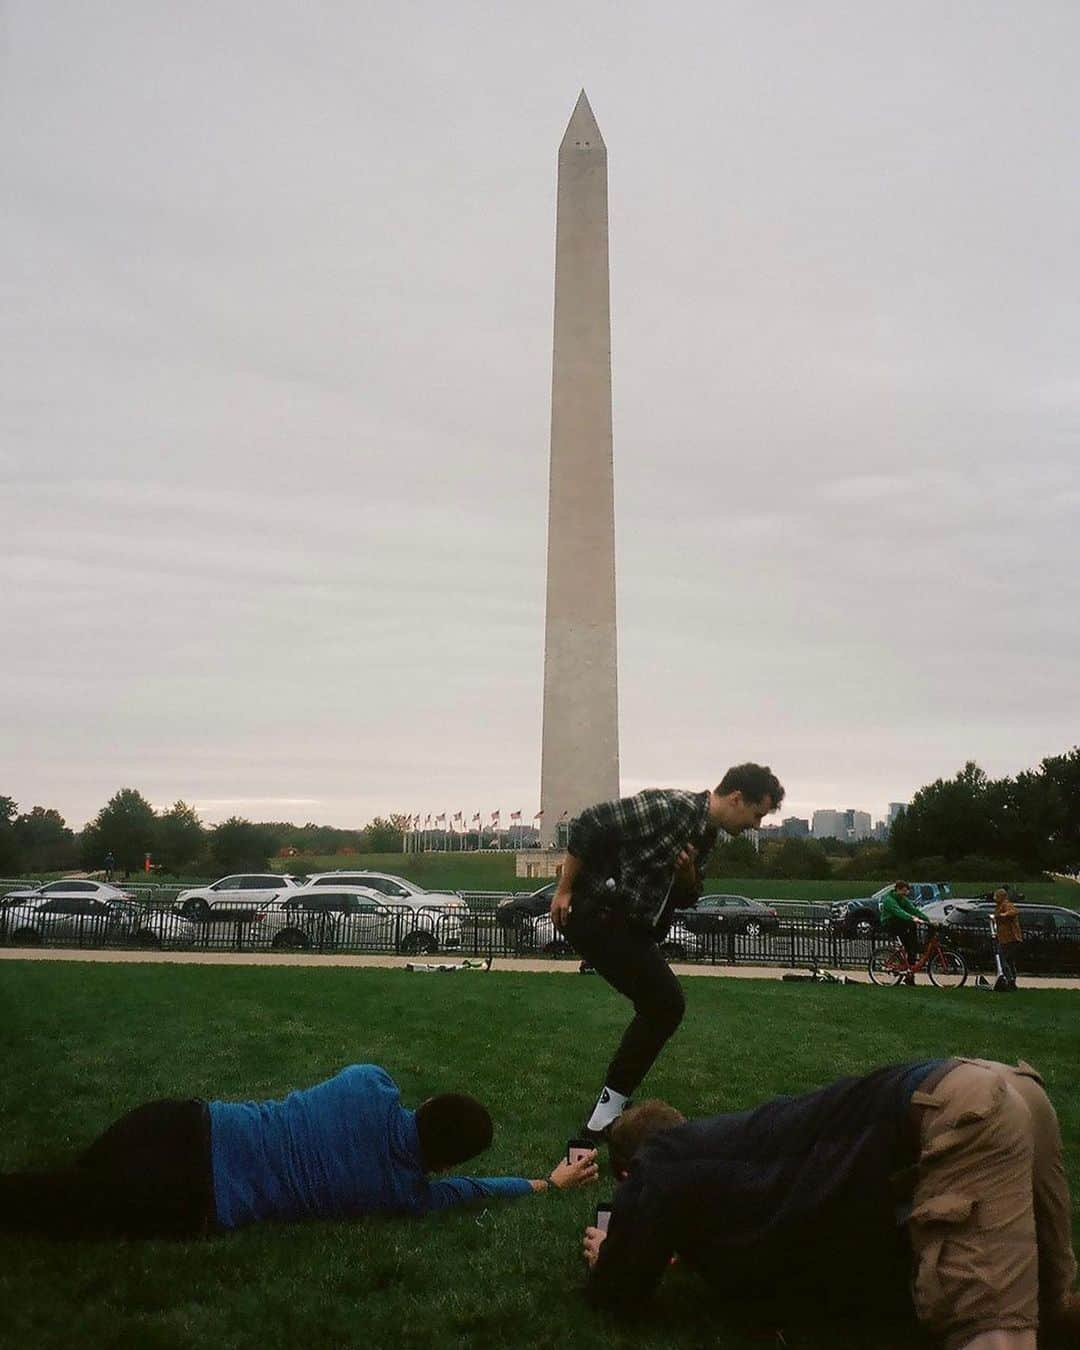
{"points": [[889, 964]]}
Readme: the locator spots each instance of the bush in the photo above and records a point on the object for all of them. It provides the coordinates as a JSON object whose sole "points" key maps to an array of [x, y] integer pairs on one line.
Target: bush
{"points": [[874, 862], [734, 858], [804, 859]]}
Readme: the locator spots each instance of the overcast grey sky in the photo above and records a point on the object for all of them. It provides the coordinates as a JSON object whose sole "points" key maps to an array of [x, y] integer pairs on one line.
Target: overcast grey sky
{"points": [[276, 328]]}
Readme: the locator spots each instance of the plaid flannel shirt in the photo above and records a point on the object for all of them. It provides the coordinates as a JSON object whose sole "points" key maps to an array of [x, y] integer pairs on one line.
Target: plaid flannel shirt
{"points": [[634, 842]]}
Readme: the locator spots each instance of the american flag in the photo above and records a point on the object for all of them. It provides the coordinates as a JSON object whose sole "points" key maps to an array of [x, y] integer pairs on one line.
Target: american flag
{"points": [[539, 814], [458, 817], [476, 818], [427, 819], [495, 818], [515, 815], [440, 819]]}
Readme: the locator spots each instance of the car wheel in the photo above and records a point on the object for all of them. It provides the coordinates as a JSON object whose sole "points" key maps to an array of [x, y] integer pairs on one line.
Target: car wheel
{"points": [[145, 938], [553, 948], [26, 937], [673, 951], [195, 909], [290, 940], [752, 928], [864, 928], [414, 944]]}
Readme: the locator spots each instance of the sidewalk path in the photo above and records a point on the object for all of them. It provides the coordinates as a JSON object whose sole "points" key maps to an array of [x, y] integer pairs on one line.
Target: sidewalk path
{"points": [[504, 965]]}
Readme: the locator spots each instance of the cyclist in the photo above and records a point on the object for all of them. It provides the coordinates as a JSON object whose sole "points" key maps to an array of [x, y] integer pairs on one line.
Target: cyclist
{"points": [[898, 915]]}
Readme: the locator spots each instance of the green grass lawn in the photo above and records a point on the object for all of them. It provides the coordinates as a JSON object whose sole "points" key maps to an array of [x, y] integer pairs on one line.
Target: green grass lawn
{"points": [[83, 1042]]}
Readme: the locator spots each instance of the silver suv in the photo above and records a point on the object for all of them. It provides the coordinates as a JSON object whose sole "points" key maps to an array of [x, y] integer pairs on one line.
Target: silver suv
{"points": [[231, 895], [323, 916]]}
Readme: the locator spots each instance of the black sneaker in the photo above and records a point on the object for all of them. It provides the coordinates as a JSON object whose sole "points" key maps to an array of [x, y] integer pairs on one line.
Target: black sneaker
{"points": [[594, 1137]]}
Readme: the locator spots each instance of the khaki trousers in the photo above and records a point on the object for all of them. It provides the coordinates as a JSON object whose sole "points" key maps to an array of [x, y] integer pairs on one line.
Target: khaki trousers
{"points": [[991, 1222]]}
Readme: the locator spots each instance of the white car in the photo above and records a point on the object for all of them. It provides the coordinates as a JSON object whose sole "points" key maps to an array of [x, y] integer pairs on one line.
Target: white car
{"points": [[542, 936], [69, 888], [353, 917], [93, 922], [241, 892], [394, 890]]}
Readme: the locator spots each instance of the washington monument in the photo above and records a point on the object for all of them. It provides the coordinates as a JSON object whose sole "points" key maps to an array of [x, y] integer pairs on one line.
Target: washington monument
{"points": [[580, 752]]}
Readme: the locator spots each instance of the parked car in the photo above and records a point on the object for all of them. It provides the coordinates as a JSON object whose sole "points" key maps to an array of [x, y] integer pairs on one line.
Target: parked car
{"points": [[70, 887], [394, 890], [20, 906], [354, 917], [729, 914], [862, 918], [94, 922], [242, 892], [1051, 942], [524, 905], [540, 935]]}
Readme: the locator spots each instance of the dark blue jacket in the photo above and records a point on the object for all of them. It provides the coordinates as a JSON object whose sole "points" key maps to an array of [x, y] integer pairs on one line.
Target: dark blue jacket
{"points": [[774, 1203]]}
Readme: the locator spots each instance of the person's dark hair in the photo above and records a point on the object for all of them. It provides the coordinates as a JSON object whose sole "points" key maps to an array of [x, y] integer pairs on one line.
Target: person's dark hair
{"points": [[634, 1126], [901, 885], [754, 781], [452, 1127]]}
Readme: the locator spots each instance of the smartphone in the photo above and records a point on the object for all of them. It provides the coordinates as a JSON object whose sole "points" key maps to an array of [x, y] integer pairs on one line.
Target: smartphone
{"points": [[578, 1148], [603, 1217]]}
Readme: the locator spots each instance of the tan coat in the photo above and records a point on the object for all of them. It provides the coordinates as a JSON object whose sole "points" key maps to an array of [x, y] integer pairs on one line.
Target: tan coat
{"points": [[1008, 922]]}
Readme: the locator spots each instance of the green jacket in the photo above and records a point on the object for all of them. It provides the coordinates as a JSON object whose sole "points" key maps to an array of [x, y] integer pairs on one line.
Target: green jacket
{"points": [[896, 906]]}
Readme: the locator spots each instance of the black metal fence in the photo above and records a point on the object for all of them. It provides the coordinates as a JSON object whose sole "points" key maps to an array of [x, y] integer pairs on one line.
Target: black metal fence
{"points": [[479, 932]]}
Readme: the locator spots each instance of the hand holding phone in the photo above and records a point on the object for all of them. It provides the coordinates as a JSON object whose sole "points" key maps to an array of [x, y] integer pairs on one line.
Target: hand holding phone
{"points": [[603, 1217], [576, 1149]]}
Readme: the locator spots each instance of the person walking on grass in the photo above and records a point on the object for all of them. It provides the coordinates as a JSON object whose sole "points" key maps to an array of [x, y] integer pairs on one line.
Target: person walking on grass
{"points": [[339, 1150], [899, 914], [1008, 935], [936, 1187], [629, 865]]}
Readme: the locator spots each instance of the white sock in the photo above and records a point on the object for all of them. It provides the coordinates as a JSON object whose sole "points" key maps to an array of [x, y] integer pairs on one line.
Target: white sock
{"points": [[609, 1107]]}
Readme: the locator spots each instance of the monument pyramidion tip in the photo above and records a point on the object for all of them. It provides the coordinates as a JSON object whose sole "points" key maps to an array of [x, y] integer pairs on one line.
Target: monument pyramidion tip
{"points": [[582, 129]]}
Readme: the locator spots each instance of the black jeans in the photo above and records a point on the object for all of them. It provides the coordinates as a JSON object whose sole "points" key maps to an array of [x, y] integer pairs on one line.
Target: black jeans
{"points": [[148, 1176], [1007, 952], [905, 930], [630, 961]]}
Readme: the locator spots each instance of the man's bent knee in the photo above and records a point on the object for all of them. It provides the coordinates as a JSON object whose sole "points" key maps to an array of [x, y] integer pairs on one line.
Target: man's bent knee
{"points": [[666, 1012]]}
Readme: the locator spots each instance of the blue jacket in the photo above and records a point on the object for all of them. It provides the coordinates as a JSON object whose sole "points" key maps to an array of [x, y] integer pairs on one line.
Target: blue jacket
{"points": [[337, 1150]]}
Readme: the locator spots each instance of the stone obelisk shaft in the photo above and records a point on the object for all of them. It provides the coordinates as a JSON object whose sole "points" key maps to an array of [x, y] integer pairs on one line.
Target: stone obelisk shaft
{"points": [[580, 753]]}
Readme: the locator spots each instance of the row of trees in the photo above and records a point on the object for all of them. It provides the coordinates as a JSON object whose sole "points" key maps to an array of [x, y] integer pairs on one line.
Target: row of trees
{"points": [[970, 827], [1024, 825], [967, 828], [127, 829]]}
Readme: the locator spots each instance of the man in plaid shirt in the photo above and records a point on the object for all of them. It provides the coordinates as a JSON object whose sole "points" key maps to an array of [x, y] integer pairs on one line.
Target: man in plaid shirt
{"points": [[629, 864]]}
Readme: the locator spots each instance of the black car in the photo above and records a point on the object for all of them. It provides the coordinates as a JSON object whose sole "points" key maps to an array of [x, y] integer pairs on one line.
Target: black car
{"points": [[1051, 944], [524, 905], [729, 914]]}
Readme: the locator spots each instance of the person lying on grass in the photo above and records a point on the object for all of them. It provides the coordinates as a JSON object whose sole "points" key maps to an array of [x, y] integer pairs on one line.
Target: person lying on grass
{"points": [[937, 1184], [341, 1149]]}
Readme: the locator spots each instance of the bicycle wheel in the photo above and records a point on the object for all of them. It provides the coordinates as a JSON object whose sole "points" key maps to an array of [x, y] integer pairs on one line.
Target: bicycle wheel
{"points": [[947, 970], [886, 965]]}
